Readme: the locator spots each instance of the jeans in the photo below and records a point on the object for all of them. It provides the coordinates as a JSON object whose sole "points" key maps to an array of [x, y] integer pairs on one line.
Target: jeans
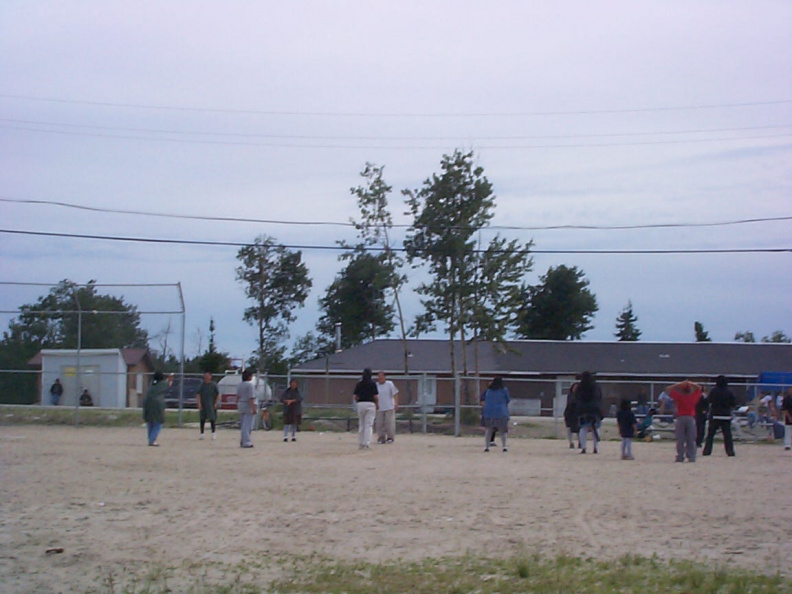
{"points": [[366, 412], [153, 431], [626, 447]]}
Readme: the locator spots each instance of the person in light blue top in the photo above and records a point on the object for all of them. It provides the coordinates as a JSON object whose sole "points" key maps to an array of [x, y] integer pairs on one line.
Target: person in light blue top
{"points": [[496, 412]]}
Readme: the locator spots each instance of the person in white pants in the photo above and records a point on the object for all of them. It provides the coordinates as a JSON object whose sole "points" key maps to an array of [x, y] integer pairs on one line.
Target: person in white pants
{"points": [[366, 398], [386, 410]]}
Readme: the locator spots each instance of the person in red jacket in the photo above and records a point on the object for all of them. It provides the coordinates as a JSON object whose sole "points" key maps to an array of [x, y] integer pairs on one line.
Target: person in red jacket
{"points": [[685, 395]]}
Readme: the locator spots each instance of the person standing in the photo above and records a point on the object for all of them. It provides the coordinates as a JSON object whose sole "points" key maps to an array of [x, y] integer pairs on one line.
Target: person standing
{"points": [[292, 410], [571, 417], [56, 391], [246, 405], [685, 395], [589, 405], [721, 405], [208, 398], [496, 412], [388, 397], [625, 418], [366, 398], [154, 407], [702, 415], [786, 411]]}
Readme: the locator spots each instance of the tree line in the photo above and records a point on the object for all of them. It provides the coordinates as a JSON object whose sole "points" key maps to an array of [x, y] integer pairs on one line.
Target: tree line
{"points": [[475, 289]]}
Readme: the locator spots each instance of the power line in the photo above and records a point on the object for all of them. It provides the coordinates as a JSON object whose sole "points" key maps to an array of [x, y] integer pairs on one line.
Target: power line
{"points": [[406, 226], [382, 249], [393, 138], [388, 147], [391, 114]]}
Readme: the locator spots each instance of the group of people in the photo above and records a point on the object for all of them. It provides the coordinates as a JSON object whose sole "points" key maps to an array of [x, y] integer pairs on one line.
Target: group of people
{"points": [[693, 411], [376, 402], [56, 393]]}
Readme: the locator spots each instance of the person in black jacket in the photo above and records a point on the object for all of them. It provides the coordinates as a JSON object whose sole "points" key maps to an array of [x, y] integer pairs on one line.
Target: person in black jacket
{"points": [[589, 407], [721, 404]]}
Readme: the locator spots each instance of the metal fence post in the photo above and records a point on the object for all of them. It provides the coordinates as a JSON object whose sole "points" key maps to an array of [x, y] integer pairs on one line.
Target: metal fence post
{"points": [[457, 408]]}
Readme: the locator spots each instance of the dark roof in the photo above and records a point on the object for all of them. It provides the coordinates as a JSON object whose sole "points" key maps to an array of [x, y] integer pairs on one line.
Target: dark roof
{"points": [[547, 357]]}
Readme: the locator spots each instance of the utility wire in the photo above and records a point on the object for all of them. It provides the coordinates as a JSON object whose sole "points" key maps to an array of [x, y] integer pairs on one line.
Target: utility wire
{"points": [[393, 115], [386, 147], [382, 249], [406, 226], [393, 138]]}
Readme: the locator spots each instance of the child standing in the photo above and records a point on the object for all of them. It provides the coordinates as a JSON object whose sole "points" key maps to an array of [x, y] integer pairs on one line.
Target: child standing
{"points": [[626, 420]]}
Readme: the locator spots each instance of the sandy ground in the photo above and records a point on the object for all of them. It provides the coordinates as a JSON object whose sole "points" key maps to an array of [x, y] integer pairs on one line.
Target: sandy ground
{"points": [[117, 508]]}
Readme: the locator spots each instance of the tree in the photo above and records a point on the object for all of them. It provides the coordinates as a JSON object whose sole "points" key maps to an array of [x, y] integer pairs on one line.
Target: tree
{"points": [[277, 281], [213, 360], [357, 299], [54, 321], [777, 336], [560, 307], [626, 330], [745, 336], [448, 212], [701, 334]]}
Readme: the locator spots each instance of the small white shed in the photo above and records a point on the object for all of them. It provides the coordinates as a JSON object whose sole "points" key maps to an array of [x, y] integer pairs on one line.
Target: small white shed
{"points": [[103, 372]]}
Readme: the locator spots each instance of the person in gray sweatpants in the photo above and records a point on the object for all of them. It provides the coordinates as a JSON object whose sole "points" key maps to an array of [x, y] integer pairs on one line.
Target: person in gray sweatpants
{"points": [[246, 405]]}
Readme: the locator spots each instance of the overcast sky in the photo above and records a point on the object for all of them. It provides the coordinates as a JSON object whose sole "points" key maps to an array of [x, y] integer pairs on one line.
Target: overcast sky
{"points": [[612, 113]]}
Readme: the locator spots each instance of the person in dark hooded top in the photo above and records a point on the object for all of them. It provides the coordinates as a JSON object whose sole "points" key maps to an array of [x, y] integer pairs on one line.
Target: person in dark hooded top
{"points": [[721, 405]]}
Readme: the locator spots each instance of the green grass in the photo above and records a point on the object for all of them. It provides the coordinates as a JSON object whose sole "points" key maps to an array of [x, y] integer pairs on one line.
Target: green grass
{"points": [[534, 574], [48, 415]]}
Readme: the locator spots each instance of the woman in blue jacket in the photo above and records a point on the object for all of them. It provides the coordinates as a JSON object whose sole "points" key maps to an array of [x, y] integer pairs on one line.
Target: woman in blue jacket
{"points": [[496, 412]]}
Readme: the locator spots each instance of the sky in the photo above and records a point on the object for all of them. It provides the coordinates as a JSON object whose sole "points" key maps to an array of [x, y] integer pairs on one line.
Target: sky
{"points": [[672, 117]]}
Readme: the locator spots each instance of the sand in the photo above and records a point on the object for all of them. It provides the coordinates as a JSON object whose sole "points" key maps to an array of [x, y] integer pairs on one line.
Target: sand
{"points": [[118, 508]]}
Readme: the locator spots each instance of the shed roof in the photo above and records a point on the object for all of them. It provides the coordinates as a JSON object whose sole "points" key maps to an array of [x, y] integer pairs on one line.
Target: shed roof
{"points": [[547, 357], [132, 356]]}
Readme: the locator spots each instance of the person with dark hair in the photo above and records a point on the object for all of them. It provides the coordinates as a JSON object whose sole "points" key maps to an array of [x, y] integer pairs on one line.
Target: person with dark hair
{"points": [[366, 397], [85, 398], [685, 395], [496, 412], [154, 407], [56, 391], [625, 418], [721, 405], [571, 417], [246, 405], [589, 404], [786, 412], [292, 410], [702, 414], [208, 399]]}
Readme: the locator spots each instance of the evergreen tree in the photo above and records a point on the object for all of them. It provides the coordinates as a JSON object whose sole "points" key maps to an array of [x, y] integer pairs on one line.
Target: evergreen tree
{"points": [[626, 330], [701, 334]]}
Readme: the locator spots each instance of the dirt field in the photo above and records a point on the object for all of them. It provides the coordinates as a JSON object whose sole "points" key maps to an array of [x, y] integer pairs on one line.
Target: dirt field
{"points": [[119, 509]]}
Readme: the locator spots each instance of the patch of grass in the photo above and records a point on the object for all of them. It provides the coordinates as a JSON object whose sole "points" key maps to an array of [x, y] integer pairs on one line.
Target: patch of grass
{"points": [[520, 574]]}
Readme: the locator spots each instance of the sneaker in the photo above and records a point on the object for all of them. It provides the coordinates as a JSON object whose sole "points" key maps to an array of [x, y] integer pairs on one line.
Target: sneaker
{"points": [[154, 444], [582, 451], [389, 440], [250, 445], [486, 449], [595, 451], [505, 449], [787, 448], [294, 439], [285, 439]]}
